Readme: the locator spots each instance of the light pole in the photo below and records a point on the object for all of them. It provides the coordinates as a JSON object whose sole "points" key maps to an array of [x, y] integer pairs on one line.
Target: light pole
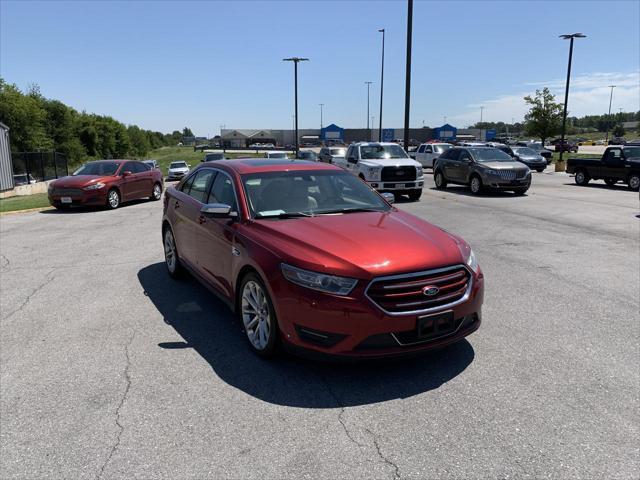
{"points": [[407, 89], [295, 61], [570, 37], [481, 109], [381, 86], [606, 140], [368, 127], [321, 105]]}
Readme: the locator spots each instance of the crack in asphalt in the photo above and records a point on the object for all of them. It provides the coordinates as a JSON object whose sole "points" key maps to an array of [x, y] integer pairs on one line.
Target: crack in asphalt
{"points": [[48, 279], [127, 377], [385, 459], [4, 261]]}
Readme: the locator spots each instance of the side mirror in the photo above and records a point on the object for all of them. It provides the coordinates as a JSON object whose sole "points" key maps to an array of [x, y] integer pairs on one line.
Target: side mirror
{"points": [[352, 160], [126, 173], [217, 210], [389, 197]]}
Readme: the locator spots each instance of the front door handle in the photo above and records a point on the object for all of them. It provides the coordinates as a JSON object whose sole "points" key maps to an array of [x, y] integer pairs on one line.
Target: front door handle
{"points": [[177, 205], [201, 219]]}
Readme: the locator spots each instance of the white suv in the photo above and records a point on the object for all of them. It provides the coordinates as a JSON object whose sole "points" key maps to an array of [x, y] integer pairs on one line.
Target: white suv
{"points": [[385, 167]]}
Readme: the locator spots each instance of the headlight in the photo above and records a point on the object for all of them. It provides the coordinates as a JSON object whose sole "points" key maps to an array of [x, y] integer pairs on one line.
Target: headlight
{"points": [[492, 172], [472, 261], [373, 172], [95, 186], [419, 171], [318, 281]]}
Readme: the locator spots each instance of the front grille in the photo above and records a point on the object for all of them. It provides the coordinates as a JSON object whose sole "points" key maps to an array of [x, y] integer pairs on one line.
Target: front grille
{"points": [[67, 192], [407, 293], [398, 174], [512, 174]]}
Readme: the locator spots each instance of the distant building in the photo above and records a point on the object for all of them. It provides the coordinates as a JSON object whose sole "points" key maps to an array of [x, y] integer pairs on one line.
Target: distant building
{"points": [[630, 126]]}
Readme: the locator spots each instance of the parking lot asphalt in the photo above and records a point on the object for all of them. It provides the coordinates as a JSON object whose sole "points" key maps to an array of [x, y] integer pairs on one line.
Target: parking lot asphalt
{"points": [[109, 369]]}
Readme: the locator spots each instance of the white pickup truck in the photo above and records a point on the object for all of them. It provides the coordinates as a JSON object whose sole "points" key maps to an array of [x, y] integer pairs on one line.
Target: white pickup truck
{"points": [[385, 167]]}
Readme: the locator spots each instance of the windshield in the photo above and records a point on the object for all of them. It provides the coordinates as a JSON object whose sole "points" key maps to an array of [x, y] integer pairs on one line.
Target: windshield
{"points": [[631, 152], [535, 146], [307, 193], [215, 156], [525, 151], [337, 152], [441, 148], [278, 155], [178, 165], [484, 155], [98, 168], [379, 152]]}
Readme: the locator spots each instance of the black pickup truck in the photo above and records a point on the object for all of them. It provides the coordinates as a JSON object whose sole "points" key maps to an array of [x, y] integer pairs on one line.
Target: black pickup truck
{"points": [[618, 164]]}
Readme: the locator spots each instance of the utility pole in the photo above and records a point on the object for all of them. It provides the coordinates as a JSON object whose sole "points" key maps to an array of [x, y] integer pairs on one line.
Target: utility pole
{"points": [[566, 90], [481, 109], [381, 86], [606, 140], [368, 128], [407, 89], [295, 61], [321, 105]]}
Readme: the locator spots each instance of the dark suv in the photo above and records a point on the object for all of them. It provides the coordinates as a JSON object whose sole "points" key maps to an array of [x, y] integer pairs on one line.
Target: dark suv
{"points": [[480, 168]]}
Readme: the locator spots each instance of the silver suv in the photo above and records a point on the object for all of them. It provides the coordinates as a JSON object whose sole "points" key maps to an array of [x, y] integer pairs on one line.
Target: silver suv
{"points": [[481, 168]]}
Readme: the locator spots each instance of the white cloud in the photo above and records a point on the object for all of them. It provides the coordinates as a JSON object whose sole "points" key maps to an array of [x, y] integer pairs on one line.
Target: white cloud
{"points": [[589, 95]]}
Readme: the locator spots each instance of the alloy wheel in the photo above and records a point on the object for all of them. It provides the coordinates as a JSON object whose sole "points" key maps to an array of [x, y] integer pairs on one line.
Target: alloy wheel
{"points": [[634, 182], [113, 199], [475, 185], [256, 315], [580, 178], [170, 256], [157, 192]]}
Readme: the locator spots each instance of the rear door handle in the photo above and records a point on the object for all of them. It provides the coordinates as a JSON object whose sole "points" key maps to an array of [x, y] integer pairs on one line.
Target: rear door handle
{"points": [[177, 205], [201, 219]]}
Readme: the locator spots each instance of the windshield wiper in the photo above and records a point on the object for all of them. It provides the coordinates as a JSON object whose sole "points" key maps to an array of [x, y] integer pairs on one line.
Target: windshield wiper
{"points": [[350, 210], [286, 215]]}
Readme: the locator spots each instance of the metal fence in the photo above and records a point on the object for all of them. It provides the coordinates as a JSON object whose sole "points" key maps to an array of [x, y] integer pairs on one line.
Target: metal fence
{"points": [[38, 166]]}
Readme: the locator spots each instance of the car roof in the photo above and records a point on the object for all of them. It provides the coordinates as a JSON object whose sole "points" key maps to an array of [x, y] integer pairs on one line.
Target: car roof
{"points": [[244, 166], [112, 161], [364, 144]]}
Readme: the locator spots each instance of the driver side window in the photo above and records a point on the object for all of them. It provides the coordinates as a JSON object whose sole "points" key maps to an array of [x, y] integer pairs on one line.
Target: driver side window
{"points": [[429, 149]]}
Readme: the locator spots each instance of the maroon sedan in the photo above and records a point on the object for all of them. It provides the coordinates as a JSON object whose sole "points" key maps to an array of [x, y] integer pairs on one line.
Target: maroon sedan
{"points": [[309, 256], [108, 183]]}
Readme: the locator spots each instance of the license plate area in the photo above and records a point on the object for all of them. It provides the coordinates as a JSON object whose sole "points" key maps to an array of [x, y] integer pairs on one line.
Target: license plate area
{"points": [[66, 200], [431, 326]]}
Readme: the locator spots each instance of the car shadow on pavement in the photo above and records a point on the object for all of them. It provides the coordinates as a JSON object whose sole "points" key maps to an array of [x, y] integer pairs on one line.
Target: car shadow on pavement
{"points": [[618, 186], [208, 326], [91, 208], [464, 190]]}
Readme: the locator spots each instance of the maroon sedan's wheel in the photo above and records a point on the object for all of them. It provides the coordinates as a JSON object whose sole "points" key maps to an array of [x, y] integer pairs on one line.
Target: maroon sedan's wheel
{"points": [[113, 199], [258, 316], [171, 259], [156, 193]]}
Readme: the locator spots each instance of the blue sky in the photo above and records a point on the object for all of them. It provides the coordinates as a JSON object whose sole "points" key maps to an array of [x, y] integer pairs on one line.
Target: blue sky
{"points": [[163, 65]]}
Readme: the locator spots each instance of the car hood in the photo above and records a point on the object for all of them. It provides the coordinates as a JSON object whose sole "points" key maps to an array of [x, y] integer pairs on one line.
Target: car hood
{"points": [[78, 181], [531, 158], [503, 165], [360, 245], [390, 162], [179, 169]]}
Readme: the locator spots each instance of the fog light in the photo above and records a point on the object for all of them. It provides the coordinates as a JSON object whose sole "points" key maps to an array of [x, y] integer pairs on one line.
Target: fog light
{"points": [[374, 185]]}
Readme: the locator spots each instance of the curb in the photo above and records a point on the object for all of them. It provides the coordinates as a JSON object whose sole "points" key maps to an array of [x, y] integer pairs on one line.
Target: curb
{"points": [[13, 212]]}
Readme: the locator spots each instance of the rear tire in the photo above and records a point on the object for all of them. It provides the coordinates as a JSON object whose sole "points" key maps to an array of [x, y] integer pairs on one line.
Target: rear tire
{"points": [[156, 192], [634, 181], [171, 258], [581, 178], [476, 185], [257, 316], [415, 195], [440, 181]]}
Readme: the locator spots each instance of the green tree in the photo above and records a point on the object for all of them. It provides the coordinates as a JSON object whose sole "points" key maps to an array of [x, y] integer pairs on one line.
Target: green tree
{"points": [[618, 130], [26, 117], [186, 132], [545, 115]]}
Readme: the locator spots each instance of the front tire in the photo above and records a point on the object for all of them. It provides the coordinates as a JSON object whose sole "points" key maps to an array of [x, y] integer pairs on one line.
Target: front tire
{"points": [[113, 199], [476, 185], [440, 181], [634, 181], [539, 170], [258, 316], [521, 191], [581, 178], [415, 195]]}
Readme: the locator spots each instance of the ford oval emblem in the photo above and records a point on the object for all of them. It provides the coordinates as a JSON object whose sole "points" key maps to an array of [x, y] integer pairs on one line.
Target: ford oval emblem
{"points": [[430, 290]]}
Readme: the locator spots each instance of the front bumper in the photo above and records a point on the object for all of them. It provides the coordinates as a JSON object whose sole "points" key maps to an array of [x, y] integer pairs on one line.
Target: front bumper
{"points": [[90, 198], [398, 186], [355, 327], [176, 175], [500, 184]]}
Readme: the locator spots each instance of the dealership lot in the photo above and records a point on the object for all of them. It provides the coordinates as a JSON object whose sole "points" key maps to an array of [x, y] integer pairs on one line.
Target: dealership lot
{"points": [[109, 369]]}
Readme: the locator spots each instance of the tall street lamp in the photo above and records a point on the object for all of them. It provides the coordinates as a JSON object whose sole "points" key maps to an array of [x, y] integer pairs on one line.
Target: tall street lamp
{"points": [[368, 127], [606, 140], [407, 90], [295, 61], [381, 86], [321, 105], [481, 110], [570, 37]]}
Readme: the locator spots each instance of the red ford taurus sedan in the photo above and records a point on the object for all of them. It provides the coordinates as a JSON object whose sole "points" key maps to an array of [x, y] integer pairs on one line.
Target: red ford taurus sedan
{"points": [[308, 255], [108, 183]]}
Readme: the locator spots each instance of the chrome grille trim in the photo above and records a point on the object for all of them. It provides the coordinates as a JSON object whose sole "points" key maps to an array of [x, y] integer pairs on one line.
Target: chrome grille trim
{"points": [[438, 308]]}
